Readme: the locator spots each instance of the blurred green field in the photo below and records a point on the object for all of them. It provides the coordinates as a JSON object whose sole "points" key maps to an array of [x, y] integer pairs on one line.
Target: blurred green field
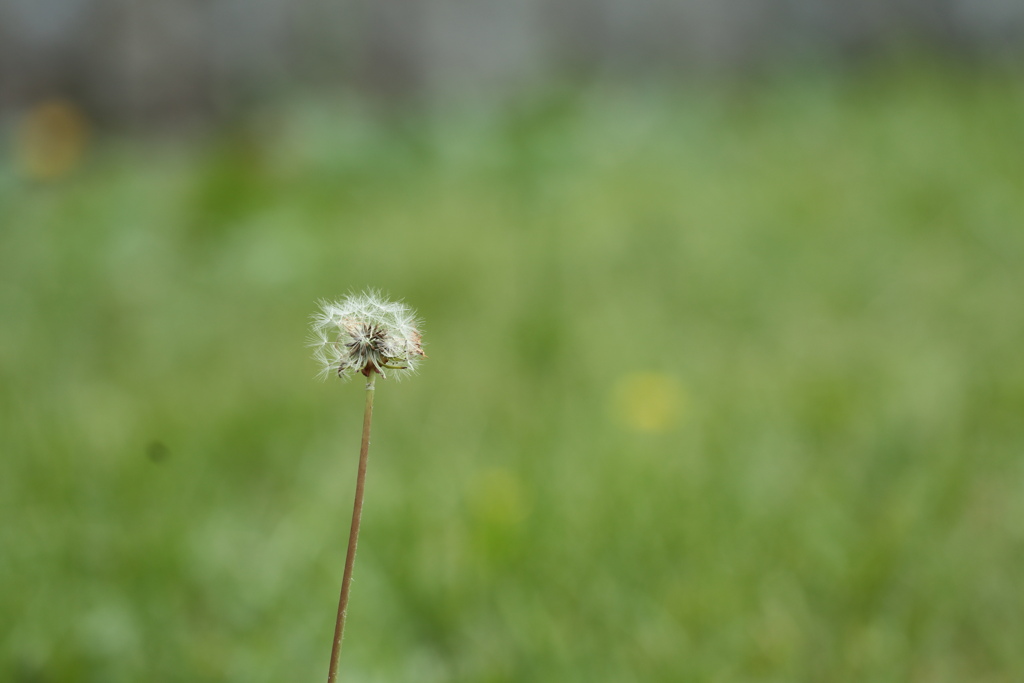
{"points": [[725, 384]]}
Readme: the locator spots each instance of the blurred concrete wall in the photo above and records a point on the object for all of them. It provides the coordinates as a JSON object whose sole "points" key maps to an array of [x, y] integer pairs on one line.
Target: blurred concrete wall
{"points": [[174, 60]]}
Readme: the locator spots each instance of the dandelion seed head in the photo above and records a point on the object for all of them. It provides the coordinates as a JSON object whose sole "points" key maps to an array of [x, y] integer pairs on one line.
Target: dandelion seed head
{"points": [[365, 333]]}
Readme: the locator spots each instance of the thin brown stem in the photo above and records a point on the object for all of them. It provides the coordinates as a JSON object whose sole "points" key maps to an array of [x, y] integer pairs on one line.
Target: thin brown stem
{"points": [[353, 534]]}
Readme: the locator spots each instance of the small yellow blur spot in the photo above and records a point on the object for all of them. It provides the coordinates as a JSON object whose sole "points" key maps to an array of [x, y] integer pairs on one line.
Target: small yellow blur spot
{"points": [[648, 402], [498, 499], [50, 140]]}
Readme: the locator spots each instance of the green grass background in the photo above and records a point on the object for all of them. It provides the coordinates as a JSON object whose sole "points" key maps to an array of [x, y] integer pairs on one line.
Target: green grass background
{"points": [[827, 271]]}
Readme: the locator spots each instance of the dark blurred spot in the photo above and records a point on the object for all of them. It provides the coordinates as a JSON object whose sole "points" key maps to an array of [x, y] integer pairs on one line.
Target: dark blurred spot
{"points": [[157, 451], [29, 672]]}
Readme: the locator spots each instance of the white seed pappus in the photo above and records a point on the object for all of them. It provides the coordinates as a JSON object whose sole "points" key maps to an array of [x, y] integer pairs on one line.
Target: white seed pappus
{"points": [[365, 333]]}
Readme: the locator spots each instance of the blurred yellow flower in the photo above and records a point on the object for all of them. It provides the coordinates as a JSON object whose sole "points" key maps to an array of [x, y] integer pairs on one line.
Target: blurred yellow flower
{"points": [[648, 402], [497, 498], [50, 140]]}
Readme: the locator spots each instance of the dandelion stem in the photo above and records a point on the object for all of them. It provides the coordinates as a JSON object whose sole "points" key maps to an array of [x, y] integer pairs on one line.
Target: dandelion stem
{"points": [[353, 534]]}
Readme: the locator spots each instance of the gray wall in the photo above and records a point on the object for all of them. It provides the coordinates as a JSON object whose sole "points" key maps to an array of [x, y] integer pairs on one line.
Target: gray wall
{"points": [[143, 61]]}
